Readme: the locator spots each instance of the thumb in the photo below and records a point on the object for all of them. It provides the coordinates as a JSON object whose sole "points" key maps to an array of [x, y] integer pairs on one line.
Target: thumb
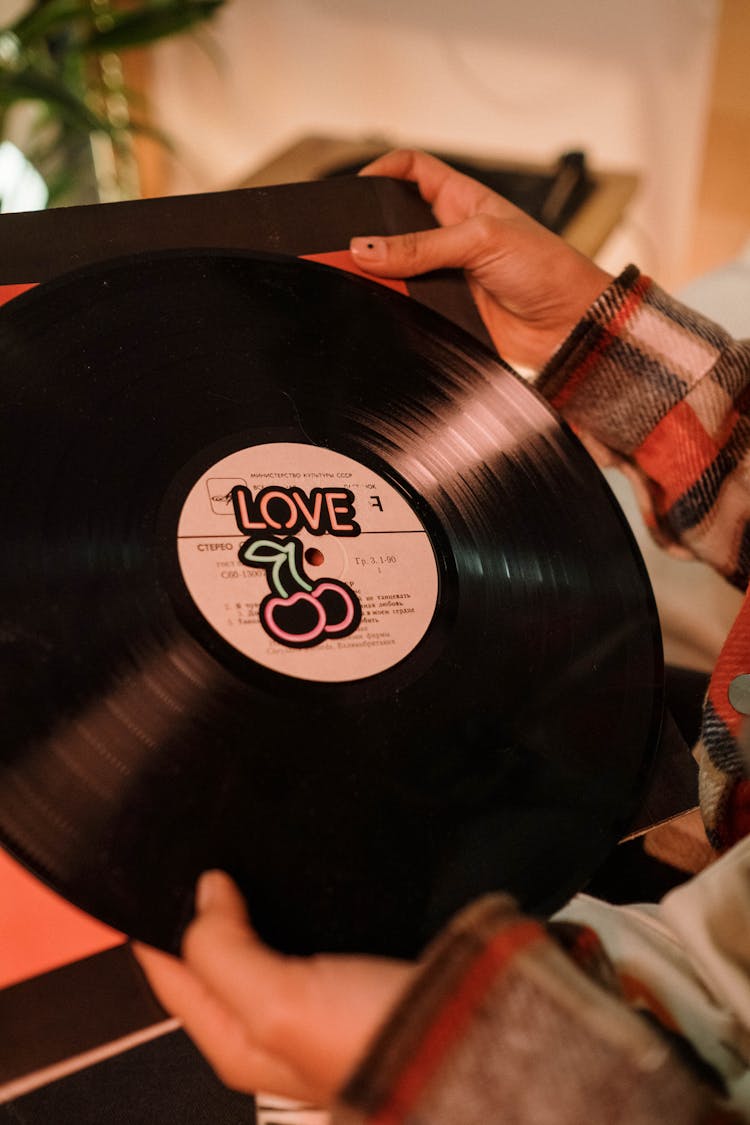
{"points": [[404, 255], [217, 895], [223, 950]]}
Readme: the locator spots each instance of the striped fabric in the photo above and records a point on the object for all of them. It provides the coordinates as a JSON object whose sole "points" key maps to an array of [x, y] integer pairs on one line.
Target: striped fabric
{"points": [[665, 393]]}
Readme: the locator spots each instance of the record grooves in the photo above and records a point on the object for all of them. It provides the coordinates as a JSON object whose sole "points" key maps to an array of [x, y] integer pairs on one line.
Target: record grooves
{"points": [[299, 581]]}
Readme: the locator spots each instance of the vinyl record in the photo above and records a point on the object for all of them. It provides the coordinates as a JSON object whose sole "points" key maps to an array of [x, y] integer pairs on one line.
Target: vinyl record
{"points": [[298, 581]]}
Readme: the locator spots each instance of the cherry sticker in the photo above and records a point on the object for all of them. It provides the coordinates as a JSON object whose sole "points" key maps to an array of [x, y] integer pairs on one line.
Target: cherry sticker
{"points": [[299, 612]]}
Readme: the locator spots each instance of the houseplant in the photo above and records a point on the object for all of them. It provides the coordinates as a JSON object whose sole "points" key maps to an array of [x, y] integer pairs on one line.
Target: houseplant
{"points": [[64, 101]]}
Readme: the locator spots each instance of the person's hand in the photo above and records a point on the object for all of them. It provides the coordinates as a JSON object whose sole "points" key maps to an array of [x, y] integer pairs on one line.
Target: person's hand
{"points": [[294, 1026], [530, 286]]}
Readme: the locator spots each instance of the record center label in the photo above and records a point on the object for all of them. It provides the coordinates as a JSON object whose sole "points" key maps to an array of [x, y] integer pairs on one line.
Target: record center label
{"points": [[307, 562]]}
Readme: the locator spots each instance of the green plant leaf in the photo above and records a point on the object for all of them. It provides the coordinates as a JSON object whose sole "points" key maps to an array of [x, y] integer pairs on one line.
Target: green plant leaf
{"points": [[138, 28], [49, 60], [31, 85], [50, 18]]}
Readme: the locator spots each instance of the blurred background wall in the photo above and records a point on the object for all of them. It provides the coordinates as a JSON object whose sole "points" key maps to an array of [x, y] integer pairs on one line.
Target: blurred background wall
{"points": [[631, 84]]}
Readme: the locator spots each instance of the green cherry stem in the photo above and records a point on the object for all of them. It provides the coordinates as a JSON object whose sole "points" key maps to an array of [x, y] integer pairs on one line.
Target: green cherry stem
{"points": [[273, 555], [297, 574]]}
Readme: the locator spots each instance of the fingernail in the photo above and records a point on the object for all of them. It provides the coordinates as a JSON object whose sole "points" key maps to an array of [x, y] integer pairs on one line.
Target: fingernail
{"points": [[207, 890], [371, 249]]}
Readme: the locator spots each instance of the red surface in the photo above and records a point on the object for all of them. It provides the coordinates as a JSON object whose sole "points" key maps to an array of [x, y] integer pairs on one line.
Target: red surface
{"points": [[39, 930], [343, 260], [8, 292]]}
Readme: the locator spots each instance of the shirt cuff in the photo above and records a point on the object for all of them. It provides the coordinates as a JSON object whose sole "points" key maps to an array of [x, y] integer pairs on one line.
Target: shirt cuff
{"points": [[501, 1023]]}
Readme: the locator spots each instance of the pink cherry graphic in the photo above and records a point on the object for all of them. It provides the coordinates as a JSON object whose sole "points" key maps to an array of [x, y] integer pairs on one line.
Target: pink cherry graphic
{"points": [[314, 611], [345, 595], [273, 607]]}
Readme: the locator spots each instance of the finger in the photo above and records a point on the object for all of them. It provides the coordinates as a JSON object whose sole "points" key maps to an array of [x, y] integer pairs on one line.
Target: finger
{"points": [[218, 891], [452, 195], [464, 245], [260, 986], [172, 983], [217, 1032], [410, 164]]}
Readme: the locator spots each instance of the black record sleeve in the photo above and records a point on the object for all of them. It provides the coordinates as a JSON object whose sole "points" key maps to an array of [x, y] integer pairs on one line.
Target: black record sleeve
{"points": [[300, 219]]}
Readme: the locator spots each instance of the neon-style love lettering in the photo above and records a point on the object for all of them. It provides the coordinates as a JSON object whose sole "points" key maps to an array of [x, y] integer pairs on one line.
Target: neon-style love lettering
{"points": [[287, 511]]}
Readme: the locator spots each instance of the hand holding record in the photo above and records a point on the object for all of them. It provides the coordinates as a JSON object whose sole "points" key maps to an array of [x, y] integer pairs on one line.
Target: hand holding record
{"points": [[293, 1026], [531, 288]]}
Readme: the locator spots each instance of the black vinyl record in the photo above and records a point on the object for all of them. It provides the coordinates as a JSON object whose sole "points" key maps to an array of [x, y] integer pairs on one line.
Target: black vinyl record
{"points": [[299, 581]]}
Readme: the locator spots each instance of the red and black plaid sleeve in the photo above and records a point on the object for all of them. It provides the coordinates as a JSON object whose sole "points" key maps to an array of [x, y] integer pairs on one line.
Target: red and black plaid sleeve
{"points": [[501, 1025], [665, 393], [668, 392]]}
